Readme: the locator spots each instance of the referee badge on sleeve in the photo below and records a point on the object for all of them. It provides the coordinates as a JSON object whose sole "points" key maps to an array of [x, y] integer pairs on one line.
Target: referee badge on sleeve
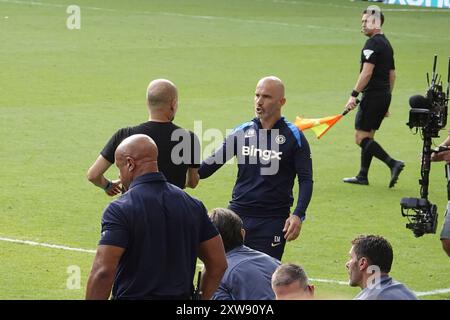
{"points": [[367, 53]]}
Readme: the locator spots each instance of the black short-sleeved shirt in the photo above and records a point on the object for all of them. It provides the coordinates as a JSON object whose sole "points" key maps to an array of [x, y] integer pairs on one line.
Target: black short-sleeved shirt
{"points": [[379, 52], [160, 227], [169, 139]]}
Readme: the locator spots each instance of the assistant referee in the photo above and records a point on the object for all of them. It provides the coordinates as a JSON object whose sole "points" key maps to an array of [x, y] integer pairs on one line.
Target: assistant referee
{"points": [[376, 82]]}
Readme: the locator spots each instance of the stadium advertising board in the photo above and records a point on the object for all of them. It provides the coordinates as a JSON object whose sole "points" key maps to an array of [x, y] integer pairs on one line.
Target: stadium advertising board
{"points": [[422, 3]]}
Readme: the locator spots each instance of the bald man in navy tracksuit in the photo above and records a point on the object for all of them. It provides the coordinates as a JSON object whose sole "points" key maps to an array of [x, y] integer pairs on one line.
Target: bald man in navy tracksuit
{"points": [[270, 152]]}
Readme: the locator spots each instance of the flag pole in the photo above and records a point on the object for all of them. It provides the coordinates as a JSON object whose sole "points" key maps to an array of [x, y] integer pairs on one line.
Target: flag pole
{"points": [[347, 111]]}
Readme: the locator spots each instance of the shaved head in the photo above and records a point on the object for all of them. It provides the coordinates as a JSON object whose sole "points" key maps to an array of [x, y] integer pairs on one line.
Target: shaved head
{"points": [[273, 82], [138, 146], [135, 156], [269, 98], [161, 93]]}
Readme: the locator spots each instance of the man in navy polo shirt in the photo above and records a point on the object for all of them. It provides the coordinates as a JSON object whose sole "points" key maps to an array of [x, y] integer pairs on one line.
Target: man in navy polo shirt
{"points": [[152, 235], [270, 152]]}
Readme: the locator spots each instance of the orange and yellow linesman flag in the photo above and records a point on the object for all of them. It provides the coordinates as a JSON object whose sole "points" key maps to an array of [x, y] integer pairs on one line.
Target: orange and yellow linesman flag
{"points": [[319, 126]]}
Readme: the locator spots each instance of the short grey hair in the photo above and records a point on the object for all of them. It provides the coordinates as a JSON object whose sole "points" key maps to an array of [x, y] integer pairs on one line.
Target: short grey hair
{"points": [[289, 273]]}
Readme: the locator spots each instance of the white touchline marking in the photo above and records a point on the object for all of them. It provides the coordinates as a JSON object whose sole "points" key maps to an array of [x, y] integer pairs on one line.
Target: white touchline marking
{"points": [[275, 23], [432, 292], [46, 245], [54, 5], [418, 293], [344, 283], [199, 265], [32, 243]]}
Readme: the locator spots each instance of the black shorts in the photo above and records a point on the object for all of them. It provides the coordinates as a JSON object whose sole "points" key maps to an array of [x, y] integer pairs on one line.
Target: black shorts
{"points": [[265, 234], [372, 110]]}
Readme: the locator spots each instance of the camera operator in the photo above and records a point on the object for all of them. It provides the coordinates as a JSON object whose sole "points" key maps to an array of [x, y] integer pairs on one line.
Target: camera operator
{"points": [[444, 155]]}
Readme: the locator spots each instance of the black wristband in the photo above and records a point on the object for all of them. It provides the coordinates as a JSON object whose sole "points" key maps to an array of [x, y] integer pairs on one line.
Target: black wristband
{"points": [[354, 94], [108, 185]]}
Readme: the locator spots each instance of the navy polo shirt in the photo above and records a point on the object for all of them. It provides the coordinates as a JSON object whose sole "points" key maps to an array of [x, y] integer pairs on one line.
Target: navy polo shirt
{"points": [[160, 227], [268, 162]]}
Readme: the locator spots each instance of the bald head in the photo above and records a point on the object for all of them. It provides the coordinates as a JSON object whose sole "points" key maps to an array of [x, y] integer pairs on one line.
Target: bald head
{"points": [[273, 82], [139, 147], [161, 93], [135, 156], [269, 98]]}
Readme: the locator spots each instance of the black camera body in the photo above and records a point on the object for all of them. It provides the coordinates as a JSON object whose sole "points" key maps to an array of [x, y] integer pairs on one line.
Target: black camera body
{"points": [[419, 118], [429, 114], [425, 217]]}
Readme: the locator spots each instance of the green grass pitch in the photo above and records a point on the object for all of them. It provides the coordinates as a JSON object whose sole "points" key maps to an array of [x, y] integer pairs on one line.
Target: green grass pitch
{"points": [[64, 92]]}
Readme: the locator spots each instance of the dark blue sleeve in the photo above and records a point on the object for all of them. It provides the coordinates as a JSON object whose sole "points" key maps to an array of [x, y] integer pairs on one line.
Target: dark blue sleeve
{"points": [[114, 227], [303, 166], [219, 157], [208, 230]]}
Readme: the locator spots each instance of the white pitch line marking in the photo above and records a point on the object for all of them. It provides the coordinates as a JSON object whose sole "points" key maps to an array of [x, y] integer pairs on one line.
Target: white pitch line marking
{"points": [[54, 246], [212, 18], [32, 243], [418, 293], [46, 245], [343, 283], [432, 292], [53, 5]]}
